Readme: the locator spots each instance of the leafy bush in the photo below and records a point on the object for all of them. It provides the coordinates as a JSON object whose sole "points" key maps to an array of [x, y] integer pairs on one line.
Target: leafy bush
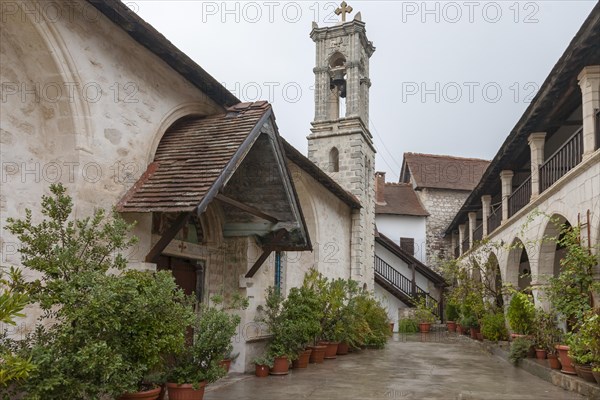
{"points": [[570, 292], [493, 327], [546, 332], [452, 311], [424, 312], [302, 312], [376, 317], [519, 349], [407, 325], [13, 300], [214, 328], [521, 313], [584, 343], [101, 333]]}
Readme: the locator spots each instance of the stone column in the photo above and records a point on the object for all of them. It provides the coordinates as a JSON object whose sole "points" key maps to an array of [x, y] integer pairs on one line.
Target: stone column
{"points": [[589, 82], [506, 179], [486, 206], [472, 226], [536, 145], [461, 237]]}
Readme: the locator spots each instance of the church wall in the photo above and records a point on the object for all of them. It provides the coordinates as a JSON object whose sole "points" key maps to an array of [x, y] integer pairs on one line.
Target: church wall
{"points": [[329, 225], [442, 205], [408, 226], [390, 303]]}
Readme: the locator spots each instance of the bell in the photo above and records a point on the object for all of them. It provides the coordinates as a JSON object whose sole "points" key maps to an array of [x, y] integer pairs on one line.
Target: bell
{"points": [[338, 79]]}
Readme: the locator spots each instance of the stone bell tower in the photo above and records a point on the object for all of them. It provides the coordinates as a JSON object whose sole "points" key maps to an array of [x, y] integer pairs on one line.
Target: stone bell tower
{"points": [[340, 142]]}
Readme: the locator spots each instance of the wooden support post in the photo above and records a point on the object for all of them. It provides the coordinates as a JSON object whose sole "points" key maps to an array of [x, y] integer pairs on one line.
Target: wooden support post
{"points": [[246, 208], [263, 257], [166, 238]]}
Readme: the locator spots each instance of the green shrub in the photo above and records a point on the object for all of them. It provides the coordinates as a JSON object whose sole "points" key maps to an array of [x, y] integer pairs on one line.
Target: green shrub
{"points": [[452, 311], [407, 325], [519, 348], [376, 317], [521, 314], [493, 327]]}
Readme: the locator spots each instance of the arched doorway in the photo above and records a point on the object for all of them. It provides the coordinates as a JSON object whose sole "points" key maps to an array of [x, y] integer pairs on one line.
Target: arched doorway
{"points": [[493, 281], [551, 249], [518, 270]]}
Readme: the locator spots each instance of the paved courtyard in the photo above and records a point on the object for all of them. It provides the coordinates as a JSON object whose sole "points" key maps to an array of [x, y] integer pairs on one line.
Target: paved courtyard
{"points": [[406, 369]]}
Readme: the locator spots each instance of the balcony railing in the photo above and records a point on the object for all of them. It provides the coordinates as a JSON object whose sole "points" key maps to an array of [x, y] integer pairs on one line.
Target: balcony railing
{"points": [[478, 233], [457, 251], [562, 161], [520, 197], [465, 245], [495, 218]]}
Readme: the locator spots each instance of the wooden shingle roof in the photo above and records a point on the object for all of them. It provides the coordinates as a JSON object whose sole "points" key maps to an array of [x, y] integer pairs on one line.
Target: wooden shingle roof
{"points": [[194, 156]]}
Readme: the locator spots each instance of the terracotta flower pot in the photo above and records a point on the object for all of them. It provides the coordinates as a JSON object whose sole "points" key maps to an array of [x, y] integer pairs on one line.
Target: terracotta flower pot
{"points": [[302, 360], [451, 325], [262, 371], [474, 332], [479, 336], [540, 354], [145, 395], [596, 377], [585, 372], [424, 327], [391, 327], [186, 391], [553, 361], [565, 360], [459, 329], [226, 364], [281, 366], [330, 350], [317, 356], [343, 349]]}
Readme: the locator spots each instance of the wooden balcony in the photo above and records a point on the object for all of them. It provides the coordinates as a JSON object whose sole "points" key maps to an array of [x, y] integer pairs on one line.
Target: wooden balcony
{"points": [[495, 218], [520, 197], [478, 233], [562, 161]]}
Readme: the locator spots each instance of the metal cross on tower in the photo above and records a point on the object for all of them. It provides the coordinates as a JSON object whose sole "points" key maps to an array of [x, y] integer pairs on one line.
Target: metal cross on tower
{"points": [[343, 9]]}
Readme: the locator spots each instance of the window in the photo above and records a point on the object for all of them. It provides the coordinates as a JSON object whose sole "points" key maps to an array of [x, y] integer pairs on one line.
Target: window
{"points": [[408, 245], [334, 160]]}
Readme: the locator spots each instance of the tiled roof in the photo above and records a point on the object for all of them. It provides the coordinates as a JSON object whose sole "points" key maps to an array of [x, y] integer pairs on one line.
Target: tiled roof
{"points": [[443, 172], [400, 199], [319, 175], [193, 155]]}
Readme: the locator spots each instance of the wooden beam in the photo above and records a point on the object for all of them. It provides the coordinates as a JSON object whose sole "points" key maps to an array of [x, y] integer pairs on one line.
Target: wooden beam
{"points": [[246, 208], [263, 257], [166, 238]]}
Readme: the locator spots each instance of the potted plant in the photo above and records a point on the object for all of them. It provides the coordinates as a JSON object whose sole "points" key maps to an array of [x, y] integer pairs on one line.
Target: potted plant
{"points": [[520, 314], [197, 364], [452, 315], [262, 366], [571, 291], [228, 358], [545, 334], [424, 314], [493, 326], [584, 345]]}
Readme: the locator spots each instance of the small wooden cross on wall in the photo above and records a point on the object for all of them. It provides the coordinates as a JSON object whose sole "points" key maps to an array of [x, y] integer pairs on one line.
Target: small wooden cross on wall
{"points": [[343, 9]]}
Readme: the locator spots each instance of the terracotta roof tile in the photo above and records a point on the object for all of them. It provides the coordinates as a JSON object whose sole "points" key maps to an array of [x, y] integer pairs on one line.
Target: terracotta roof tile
{"points": [[400, 199], [190, 158], [444, 172]]}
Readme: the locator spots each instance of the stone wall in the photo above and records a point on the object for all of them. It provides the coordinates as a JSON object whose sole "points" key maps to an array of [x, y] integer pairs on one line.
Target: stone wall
{"points": [[442, 205]]}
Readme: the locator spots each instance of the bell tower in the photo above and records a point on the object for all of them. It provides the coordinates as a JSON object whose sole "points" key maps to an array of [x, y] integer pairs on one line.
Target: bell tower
{"points": [[340, 142]]}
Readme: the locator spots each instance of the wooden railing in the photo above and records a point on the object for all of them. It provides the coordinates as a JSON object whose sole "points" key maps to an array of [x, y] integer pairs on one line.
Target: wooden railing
{"points": [[562, 161], [403, 284], [520, 197], [457, 251], [465, 245], [495, 218], [394, 277], [478, 233]]}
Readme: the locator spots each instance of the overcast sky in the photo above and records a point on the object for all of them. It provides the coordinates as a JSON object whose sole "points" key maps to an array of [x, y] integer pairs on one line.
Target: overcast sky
{"points": [[447, 77]]}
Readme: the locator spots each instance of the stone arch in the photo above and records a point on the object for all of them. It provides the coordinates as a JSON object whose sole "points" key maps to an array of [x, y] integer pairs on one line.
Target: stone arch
{"points": [[337, 59], [493, 276], [518, 270], [551, 252], [334, 160]]}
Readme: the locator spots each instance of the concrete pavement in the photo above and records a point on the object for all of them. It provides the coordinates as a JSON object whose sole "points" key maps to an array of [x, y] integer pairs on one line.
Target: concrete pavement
{"points": [[441, 367]]}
